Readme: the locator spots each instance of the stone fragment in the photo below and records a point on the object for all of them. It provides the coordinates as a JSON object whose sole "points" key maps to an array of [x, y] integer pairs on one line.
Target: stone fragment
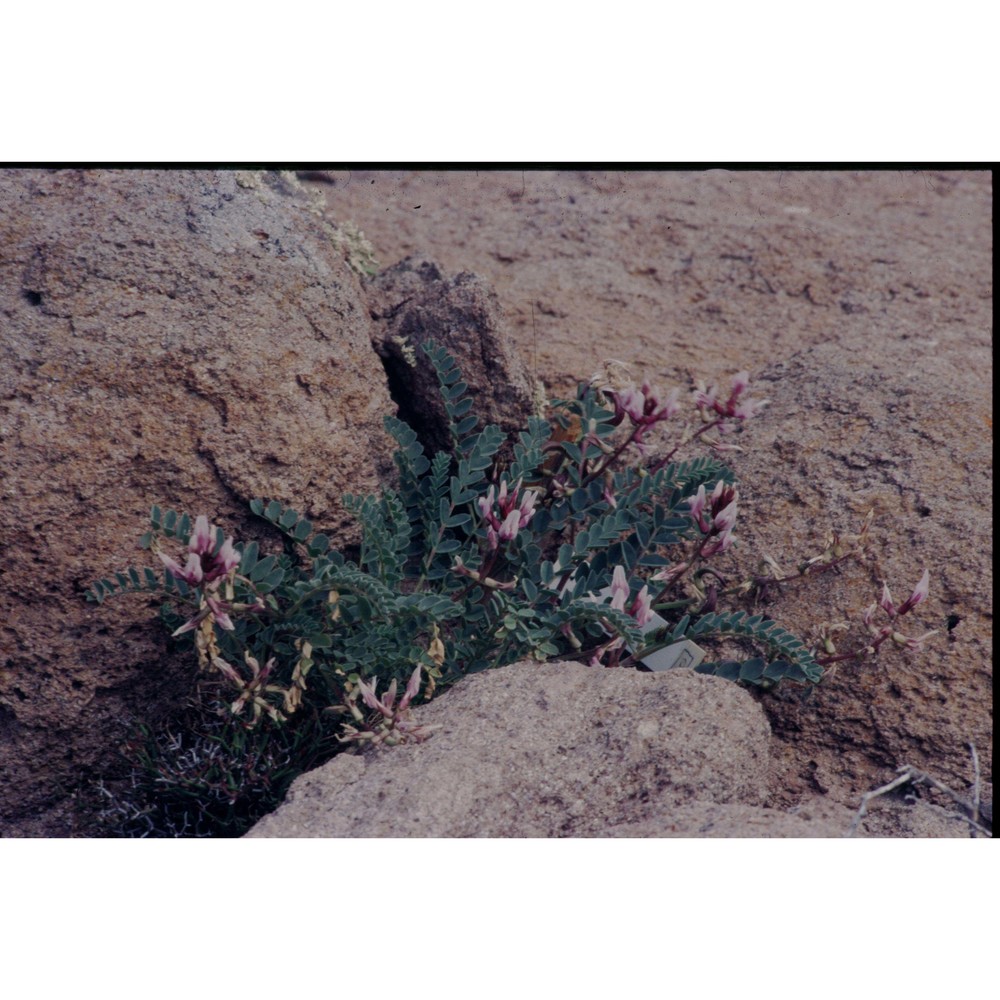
{"points": [[415, 301]]}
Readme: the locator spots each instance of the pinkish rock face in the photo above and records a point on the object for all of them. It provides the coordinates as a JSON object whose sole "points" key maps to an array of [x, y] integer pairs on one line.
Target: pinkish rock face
{"points": [[191, 339]]}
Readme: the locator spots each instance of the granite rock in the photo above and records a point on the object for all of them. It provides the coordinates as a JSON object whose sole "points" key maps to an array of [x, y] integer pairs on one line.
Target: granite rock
{"points": [[545, 750], [192, 339]]}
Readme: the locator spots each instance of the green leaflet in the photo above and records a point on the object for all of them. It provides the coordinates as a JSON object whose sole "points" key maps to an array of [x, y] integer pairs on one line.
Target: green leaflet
{"points": [[783, 645]]}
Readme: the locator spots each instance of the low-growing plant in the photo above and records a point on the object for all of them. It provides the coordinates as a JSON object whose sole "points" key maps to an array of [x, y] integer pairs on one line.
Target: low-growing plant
{"points": [[568, 543], [207, 774]]}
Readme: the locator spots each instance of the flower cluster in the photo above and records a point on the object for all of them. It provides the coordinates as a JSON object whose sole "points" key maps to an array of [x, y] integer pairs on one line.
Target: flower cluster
{"points": [[204, 565], [737, 405], [390, 724], [644, 407], [253, 691], [207, 566], [880, 634], [715, 517], [505, 514], [640, 609]]}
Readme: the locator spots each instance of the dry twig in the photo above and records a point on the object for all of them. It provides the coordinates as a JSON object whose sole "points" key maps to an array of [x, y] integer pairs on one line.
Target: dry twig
{"points": [[910, 775]]}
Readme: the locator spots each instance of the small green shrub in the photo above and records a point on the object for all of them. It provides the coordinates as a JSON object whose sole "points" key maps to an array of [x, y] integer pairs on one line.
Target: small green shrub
{"points": [[554, 546]]}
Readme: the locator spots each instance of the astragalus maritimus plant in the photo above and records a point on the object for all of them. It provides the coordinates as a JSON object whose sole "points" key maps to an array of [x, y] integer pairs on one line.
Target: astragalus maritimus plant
{"points": [[569, 543]]}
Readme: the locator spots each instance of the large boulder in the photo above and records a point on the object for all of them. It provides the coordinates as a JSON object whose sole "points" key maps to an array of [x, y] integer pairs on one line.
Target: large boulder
{"points": [[191, 339], [567, 750], [544, 750]]}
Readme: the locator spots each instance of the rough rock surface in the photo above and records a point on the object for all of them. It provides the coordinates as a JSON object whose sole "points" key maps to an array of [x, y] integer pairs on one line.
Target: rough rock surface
{"points": [[882, 426], [192, 339], [544, 750], [413, 302], [861, 302], [564, 750]]}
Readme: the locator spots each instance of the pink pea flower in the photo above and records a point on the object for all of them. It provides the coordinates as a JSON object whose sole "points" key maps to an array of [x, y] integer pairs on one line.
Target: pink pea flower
{"points": [[190, 573], [697, 505], [721, 513], [485, 504], [202, 565], [412, 687], [644, 407], [641, 609], [628, 402], [749, 408], [192, 623], [885, 601], [722, 495], [735, 406], [726, 518], [203, 537], [386, 705], [633, 402], [706, 398], [671, 573], [914, 644], [715, 516], [619, 588], [220, 611], [506, 512], [526, 507], [509, 528], [721, 544], [655, 408], [919, 594], [371, 699], [210, 607]]}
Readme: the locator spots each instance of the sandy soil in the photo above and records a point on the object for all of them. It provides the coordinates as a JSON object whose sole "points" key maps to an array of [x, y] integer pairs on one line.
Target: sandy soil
{"points": [[676, 273]]}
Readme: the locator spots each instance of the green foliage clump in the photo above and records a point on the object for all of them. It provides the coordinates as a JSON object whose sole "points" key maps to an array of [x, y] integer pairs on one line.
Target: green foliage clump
{"points": [[551, 546]]}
